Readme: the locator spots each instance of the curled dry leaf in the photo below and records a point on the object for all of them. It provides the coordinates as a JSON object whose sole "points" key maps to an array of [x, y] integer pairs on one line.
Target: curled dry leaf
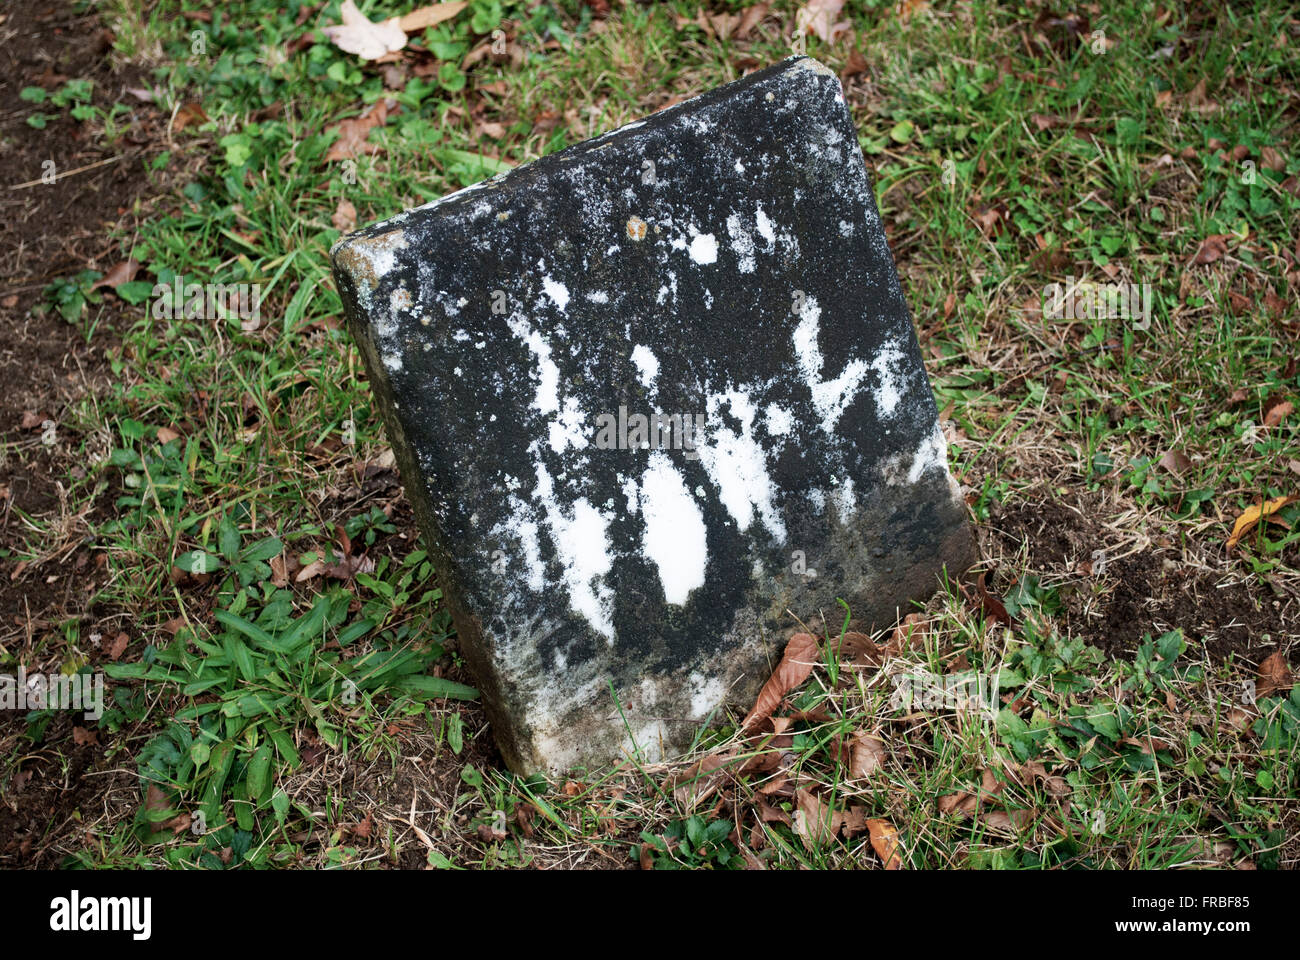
{"points": [[884, 840], [1274, 676], [1056, 786], [815, 822], [700, 780], [429, 16], [368, 40], [818, 16], [189, 114], [866, 755], [1211, 249], [991, 604], [1253, 515], [345, 216], [1008, 821], [353, 133], [906, 635], [1278, 412], [859, 649], [118, 274], [751, 18], [1271, 159], [796, 664], [1176, 462]]}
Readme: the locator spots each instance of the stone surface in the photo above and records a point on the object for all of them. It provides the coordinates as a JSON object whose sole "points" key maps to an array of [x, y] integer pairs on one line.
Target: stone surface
{"points": [[723, 261]]}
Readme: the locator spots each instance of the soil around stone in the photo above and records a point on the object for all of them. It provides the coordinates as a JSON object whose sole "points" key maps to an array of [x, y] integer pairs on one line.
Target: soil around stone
{"points": [[49, 231], [1222, 611]]}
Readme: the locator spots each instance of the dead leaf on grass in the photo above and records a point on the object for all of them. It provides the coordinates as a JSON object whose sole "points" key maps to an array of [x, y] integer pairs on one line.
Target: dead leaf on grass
{"points": [[429, 16], [1253, 515], [354, 131], [1278, 412], [1211, 249], [866, 755], [345, 216], [1176, 462], [358, 34], [118, 274], [800, 656], [1274, 676], [884, 840], [816, 823], [818, 17]]}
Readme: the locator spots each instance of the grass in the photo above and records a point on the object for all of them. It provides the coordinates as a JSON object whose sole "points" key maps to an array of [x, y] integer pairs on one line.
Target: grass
{"points": [[1008, 153]]}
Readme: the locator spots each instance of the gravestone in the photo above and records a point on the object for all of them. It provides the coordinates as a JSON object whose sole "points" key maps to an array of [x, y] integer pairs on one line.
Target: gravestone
{"points": [[650, 396]]}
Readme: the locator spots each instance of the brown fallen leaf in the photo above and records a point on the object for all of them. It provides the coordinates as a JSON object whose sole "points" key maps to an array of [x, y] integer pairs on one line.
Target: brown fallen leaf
{"points": [[345, 216], [429, 16], [1053, 784], [357, 34], [1198, 100], [906, 635], [1211, 249], [801, 655], [1008, 821], [82, 737], [1271, 159], [816, 823], [118, 646], [770, 814], [189, 114], [818, 17], [1253, 515], [1176, 462], [118, 274], [992, 218], [962, 803], [167, 435], [700, 780], [313, 569], [751, 18], [866, 755], [1278, 412], [354, 131], [884, 840], [1274, 676], [992, 605], [858, 648]]}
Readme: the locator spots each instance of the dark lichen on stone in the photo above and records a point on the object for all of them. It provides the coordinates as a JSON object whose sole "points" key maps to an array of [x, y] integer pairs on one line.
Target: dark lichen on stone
{"points": [[723, 258]]}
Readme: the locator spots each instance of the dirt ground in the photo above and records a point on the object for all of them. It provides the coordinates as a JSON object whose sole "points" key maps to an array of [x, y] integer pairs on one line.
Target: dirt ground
{"points": [[46, 365]]}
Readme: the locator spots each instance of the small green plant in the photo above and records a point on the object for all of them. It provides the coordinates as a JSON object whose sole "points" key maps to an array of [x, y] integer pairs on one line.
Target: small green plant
{"points": [[693, 842]]}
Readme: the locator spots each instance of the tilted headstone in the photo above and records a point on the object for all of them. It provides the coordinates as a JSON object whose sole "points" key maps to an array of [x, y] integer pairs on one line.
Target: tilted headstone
{"points": [[650, 396]]}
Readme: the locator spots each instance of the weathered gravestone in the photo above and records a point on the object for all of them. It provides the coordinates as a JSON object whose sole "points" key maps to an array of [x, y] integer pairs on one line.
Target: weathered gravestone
{"points": [[614, 575]]}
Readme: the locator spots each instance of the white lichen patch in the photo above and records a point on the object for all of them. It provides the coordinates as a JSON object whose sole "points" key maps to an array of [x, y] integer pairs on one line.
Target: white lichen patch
{"points": [[742, 244], [674, 537], [558, 293], [829, 397], [704, 248], [647, 365], [888, 367], [737, 465]]}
